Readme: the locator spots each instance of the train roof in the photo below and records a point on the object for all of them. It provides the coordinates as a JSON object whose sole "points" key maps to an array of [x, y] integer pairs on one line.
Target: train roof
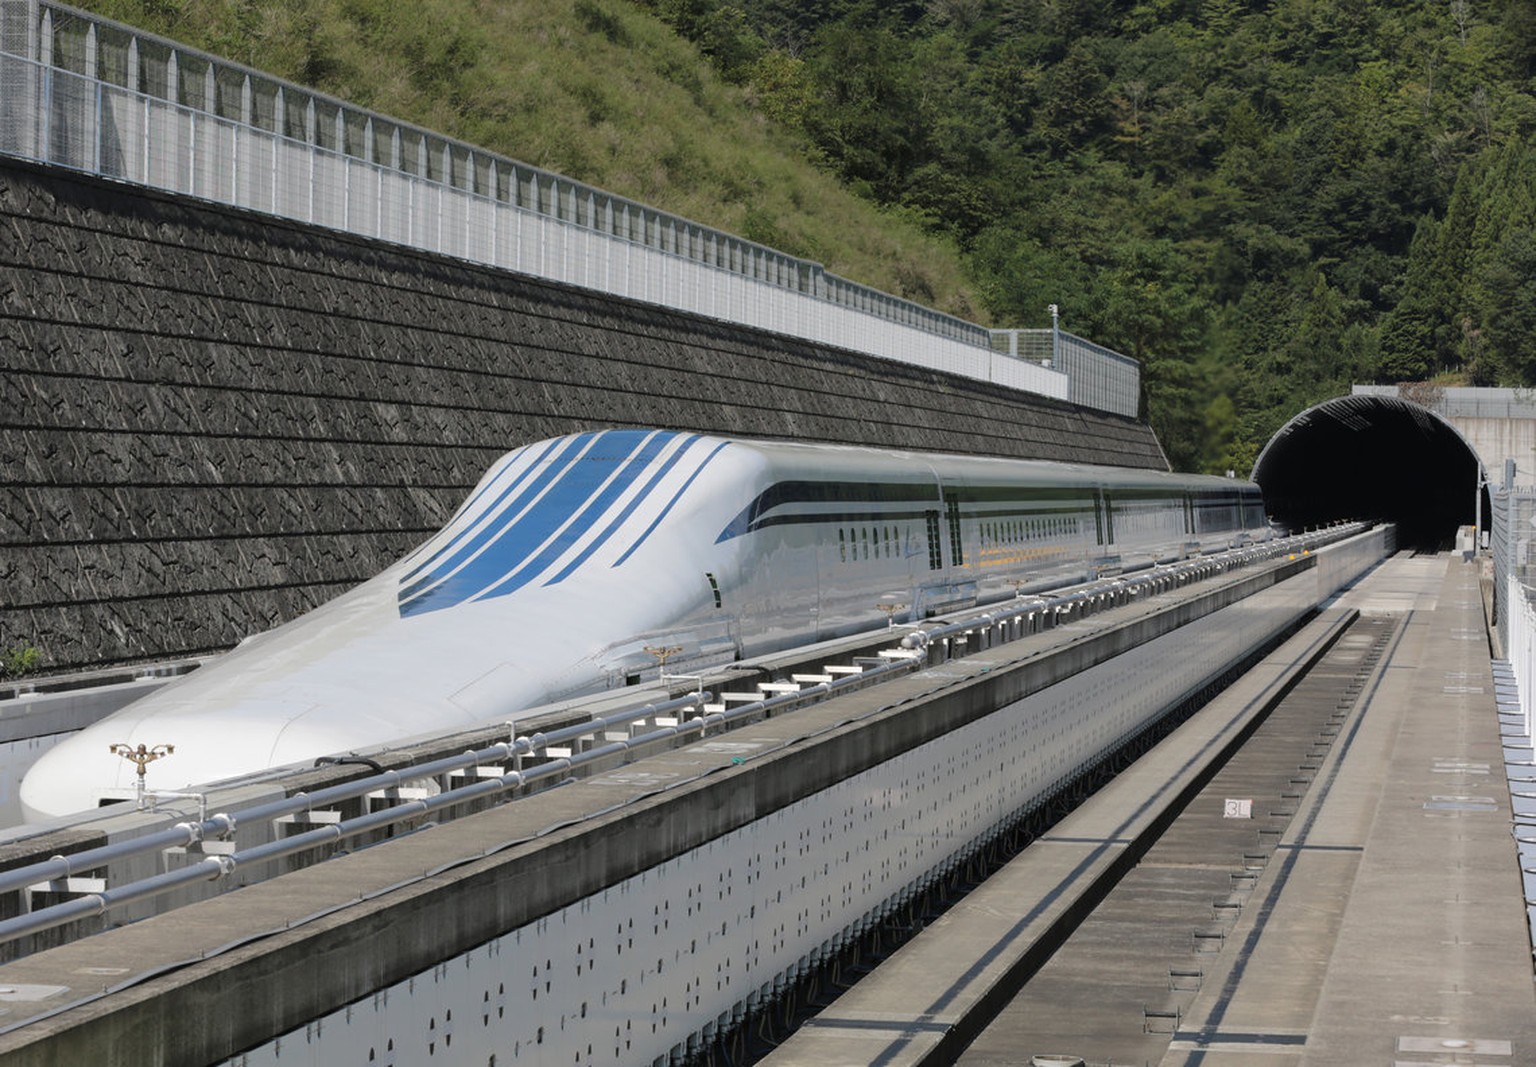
{"points": [[863, 460]]}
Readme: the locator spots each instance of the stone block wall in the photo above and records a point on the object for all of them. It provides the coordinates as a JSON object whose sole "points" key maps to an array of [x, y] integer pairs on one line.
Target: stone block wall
{"points": [[212, 421]]}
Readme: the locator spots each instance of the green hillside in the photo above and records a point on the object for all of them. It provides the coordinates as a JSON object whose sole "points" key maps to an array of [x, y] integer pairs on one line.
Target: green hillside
{"points": [[1262, 202], [598, 90]]}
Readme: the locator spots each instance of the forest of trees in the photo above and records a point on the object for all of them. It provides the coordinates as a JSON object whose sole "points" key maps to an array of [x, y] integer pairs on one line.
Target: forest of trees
{"points": [[1262, 202]]}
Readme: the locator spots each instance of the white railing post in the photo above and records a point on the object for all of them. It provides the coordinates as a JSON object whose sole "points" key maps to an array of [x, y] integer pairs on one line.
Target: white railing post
{"points": [[279, 131], [1522, 645], [34, 17], [310, 126], [345, 163], [44, 146]]}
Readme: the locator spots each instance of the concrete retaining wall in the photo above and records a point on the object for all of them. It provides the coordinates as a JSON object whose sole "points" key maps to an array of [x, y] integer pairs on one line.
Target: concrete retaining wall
{"points": [[211, 421]]}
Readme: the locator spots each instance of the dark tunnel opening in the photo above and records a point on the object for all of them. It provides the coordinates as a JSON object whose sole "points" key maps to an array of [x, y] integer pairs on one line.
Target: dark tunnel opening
{"points": [[1372, 457]]}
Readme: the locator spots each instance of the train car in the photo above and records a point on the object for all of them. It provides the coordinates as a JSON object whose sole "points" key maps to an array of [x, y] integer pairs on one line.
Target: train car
{"points": [[574, 556]]}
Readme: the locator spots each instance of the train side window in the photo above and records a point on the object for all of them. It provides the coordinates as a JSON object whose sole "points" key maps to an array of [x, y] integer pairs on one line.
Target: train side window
{"points": [[956, 549], [842, 545], [935, 553], [865, 532]]}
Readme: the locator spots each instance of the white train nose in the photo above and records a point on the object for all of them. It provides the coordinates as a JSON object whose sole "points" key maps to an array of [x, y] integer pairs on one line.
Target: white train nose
{"points": [[100, 764], [182, 750], [78, 774]]}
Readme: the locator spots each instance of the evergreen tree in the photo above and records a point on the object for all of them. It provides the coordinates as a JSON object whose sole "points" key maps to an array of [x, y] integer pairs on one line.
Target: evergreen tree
{"points": [[1415, 337]]}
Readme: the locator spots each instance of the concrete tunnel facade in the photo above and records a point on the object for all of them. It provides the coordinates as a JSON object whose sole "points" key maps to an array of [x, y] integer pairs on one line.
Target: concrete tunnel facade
{"points": [[1373, 457]]}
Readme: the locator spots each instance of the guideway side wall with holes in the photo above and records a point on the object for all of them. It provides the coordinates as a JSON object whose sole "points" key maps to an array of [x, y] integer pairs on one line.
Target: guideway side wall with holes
{"points": [[213, 420], [629, 938]]}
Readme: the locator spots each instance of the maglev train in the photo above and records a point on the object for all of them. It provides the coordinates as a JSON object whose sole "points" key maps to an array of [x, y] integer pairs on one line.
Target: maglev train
{"points": [[574, 556]]}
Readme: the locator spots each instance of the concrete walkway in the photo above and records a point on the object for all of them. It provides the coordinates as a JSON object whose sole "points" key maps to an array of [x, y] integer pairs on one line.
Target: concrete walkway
{"points": [[1392, 930]]}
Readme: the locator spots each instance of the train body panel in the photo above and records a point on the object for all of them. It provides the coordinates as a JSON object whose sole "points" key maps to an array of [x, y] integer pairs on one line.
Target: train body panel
{"points": [[574, 558]]}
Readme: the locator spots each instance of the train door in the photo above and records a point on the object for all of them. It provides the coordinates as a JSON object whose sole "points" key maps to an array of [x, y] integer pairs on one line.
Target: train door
{"points": [[956, 542], [946, 587]]}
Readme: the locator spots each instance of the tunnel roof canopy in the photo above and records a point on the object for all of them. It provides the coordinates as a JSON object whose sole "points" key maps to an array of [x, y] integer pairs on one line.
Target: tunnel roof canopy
{"points": [[1371, 457]]}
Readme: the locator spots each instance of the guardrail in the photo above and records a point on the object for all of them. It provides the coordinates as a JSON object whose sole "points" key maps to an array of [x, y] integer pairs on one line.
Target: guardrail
{"points": [[1517, 624], [87, 93], [1097, 377]]}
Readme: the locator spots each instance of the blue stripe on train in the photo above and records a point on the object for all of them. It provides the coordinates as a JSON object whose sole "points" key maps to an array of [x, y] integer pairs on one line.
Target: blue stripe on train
{"points": [[623, 516], [543, 476], [670, 503], [514, 553], [472, 512], [566, 536]]}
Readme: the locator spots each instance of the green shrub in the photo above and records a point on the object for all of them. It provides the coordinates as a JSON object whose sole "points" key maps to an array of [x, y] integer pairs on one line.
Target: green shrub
{"points": [[19, 660]]}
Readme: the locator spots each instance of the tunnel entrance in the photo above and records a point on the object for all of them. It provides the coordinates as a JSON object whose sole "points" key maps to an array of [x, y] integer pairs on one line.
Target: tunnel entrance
{"points": [[1372, 457]]}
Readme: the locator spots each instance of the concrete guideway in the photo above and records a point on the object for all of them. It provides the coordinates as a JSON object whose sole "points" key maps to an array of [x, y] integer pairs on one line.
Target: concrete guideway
{"points": [[933, 997], [1374, 915]]}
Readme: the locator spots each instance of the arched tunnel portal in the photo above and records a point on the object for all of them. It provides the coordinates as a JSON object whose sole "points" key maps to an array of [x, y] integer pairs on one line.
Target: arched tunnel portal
{"points": [[1372, 457]]}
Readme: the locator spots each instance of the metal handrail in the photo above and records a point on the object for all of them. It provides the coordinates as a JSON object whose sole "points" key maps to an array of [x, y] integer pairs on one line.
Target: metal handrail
{"points": [[1061, 602], [219, 867], [223, 824]]}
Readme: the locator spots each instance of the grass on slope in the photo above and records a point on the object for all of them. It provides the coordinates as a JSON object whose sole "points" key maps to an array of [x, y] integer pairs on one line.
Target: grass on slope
{"points": [[594, 89]]}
